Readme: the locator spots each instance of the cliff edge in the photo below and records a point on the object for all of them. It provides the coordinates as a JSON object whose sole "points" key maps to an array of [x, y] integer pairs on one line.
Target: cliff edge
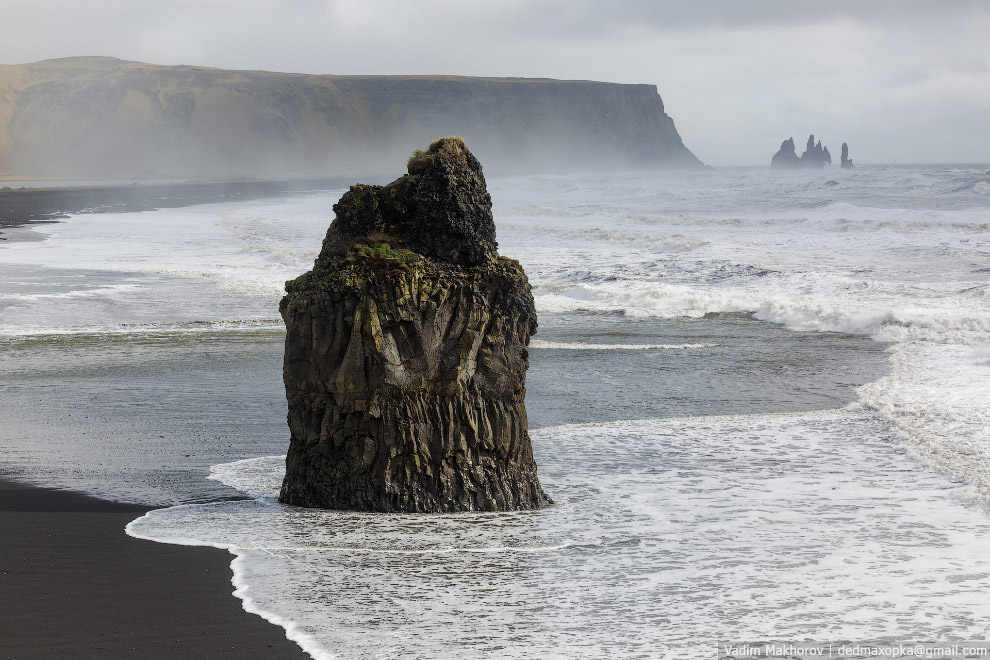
{"points": [[406, 352], [100, 117]]}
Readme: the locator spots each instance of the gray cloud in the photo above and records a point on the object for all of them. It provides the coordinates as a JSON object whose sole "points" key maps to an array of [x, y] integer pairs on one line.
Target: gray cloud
{"points": [[590, 16], [900, 80]]}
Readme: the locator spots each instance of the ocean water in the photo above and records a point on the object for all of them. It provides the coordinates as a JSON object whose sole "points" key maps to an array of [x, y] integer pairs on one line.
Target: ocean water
{"points": [[760, 400]]}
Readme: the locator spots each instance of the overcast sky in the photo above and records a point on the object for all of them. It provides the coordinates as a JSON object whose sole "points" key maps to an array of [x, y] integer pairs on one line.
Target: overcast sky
{"points": [[899, 80]]}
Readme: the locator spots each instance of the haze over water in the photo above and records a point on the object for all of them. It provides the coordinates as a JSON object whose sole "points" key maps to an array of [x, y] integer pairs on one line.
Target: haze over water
{"points": [[701, 338]]}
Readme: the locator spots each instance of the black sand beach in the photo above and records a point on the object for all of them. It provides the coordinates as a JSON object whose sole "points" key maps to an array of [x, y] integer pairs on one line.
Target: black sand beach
{"points": [[74, 585]]}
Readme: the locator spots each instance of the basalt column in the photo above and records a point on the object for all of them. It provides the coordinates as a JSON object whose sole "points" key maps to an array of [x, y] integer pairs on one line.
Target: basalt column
{"points": [[406, 352]]}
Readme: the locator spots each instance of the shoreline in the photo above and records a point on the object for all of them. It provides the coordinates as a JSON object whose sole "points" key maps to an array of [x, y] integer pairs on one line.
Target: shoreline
{"points": [[25, 206], [76, 585]]}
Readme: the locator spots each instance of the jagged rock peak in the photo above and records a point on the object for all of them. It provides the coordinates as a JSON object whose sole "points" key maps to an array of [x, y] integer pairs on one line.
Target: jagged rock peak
{"points": [[440, 209], [406, 352], [815, 155], [785, 157]]}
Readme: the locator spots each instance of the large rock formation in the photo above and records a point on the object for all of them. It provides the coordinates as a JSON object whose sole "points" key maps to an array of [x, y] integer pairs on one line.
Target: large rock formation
{"points": [[406, 352], [100, 117], [786, 157], [846, 161], [814, 156]]}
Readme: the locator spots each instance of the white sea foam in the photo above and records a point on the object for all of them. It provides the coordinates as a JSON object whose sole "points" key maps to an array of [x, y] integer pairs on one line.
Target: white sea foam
{"points": [[666, 535], [260, 326], [14, 299], [938, 399], [197, 264], [580, 346]]}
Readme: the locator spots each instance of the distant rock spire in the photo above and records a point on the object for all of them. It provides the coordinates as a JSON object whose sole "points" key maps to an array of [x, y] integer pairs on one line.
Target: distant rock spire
{"points": [[786, 157], [815, 155], [847, 163]]}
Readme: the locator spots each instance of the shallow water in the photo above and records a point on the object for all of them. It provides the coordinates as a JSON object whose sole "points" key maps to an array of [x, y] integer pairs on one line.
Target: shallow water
{"points": [[142, 416]]}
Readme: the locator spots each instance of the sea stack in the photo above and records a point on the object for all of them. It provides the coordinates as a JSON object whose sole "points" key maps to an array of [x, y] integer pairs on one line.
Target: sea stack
{"points": [[814, 156], [786, 157], [406, 352], [847, 163]]}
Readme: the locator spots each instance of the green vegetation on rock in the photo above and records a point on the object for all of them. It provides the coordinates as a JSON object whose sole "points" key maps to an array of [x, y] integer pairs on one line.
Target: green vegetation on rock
{"points": [[386, 252], [421, 160]]}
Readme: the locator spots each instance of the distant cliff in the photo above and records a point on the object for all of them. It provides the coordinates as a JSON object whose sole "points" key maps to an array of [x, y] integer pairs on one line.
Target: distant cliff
{"points": [[103, 117]]}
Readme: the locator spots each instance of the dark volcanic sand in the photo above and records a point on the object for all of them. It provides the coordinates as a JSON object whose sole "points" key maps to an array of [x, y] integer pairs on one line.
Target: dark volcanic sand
{"points": [[74, 585]]}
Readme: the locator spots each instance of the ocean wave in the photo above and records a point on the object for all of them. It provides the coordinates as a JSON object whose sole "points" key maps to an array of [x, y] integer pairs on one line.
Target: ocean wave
{"points": [[885, 320], [937, 397], [41, 333], [838, 217], [909, 225], [90, 292], [981, 187], [700, 220], [539, 211], [257, 477], [267, 280], [667, 242], [580, 346]]}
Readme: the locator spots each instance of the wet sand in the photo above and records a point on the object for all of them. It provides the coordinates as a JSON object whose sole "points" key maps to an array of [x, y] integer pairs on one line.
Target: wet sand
{"points": [[74, 585]]}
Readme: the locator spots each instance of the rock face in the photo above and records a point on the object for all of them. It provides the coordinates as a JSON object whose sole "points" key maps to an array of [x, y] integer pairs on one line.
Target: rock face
{"points": [[814, 156], [846, 161], [786, 157], [406, 352], [99, 117]]}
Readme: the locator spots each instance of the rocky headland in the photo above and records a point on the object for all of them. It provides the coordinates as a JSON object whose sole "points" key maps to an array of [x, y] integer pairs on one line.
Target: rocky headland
{"points": [[110, 119], [406, 352]]}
